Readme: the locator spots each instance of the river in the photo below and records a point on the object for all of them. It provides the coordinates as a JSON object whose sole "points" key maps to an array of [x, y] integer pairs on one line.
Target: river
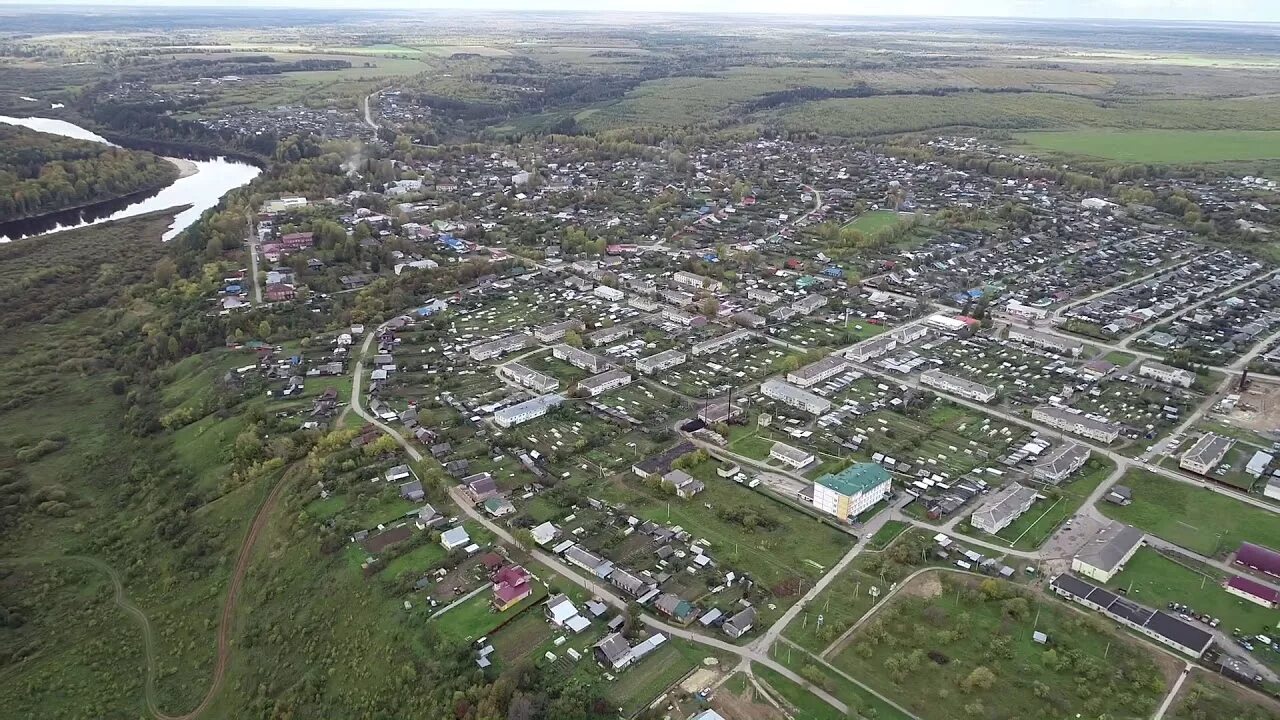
{"points": [[201, 190]]}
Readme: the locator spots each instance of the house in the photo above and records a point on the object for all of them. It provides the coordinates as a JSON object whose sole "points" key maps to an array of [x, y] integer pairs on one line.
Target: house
{"points": [[1045, 341], [1106, 554], [1272, 488], [1166, 374], [1259, 463], [399, 473], [851, 491], [610, 334], [1059, 464], [412, 491], [789, 394], [794, 458], [1253, 591], [528, 377], [633, 585], [999, 510], [674, 607], [455, 538], [613, 652], [557, 331], [686, 485], [697, 282], [427, 517], [740, 623], [722, 342], [1206, 453], [279, 292], [510, 586], [544, 533], [480, 487], [1119, 495], [589, 561], [559, 610], [498, 506]]}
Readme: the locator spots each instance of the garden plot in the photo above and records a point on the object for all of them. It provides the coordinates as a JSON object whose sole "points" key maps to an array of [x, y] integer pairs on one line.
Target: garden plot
{"points": [[817, 334], [1147, 409], [1016, 373], [924, 446], [717, 374]]}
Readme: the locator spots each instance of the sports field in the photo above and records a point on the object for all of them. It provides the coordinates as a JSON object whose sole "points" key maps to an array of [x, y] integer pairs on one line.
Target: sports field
{"points": [[1161, 146]]}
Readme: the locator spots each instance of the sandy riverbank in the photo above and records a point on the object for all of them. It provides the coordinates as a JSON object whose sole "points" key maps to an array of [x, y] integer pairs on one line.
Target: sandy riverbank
{"points": [[186, 168]]}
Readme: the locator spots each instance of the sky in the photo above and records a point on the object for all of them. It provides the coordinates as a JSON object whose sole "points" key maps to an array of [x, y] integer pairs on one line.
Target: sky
{"points": [[1192, 10]]}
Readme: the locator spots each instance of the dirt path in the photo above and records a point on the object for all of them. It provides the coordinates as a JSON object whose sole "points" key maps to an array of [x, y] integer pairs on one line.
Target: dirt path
{"points": [[225, 624]]}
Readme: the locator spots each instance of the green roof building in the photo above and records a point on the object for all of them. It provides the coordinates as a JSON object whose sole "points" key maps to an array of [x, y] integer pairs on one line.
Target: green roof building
{"points": [[852, 491]]}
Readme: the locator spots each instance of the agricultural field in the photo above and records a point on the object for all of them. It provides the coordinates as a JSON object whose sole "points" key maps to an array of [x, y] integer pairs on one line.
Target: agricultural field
{"points": [[873, 221], [1192, 517], [948, 641], [1159, 146]]}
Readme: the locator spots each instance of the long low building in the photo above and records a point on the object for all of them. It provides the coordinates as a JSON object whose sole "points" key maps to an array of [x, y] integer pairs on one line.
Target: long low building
{"points": [[999, 510], [792, 457], [727, 340], [873, 348], [795, 397], [1106, 554], [557, 331], [1155, 624], [604, 382], [661, 361], [500, 347], [814, 373], [528, 377], [1076, 423], [528, 410], [1045, 341], [1206, 454], [1167, 374], [1061, 462], [958, 386], [580, 359]]}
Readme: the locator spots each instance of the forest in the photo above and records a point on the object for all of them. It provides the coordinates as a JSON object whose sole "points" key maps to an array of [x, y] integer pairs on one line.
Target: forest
{"points": [[42, 173]]}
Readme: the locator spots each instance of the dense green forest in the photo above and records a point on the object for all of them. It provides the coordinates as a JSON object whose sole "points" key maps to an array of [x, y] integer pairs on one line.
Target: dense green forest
{"points": [[42, 173]]}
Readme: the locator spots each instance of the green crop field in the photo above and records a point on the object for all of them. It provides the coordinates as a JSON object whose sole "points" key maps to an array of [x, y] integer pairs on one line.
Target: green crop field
{"points": [[1160, 146], [1193, 517]]}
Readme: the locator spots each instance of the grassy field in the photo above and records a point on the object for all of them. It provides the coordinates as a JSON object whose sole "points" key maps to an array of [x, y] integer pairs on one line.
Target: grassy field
{"points": [[886, 534], [1160, 146], [840, 604], [867, 705], [808, 705], [1155, 580], [1192, 517], [476, 618], [948, 644], [873, 220], [1209, 696]]}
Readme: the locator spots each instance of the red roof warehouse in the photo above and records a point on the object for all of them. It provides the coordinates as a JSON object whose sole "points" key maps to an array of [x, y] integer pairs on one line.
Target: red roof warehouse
{"points": [[1253, 591]]}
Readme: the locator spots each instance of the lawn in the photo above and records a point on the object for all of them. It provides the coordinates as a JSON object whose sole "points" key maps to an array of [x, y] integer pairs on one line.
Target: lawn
{"points": [[419, 559], [1161, 146], [808, 705], [875, 220], [519, 638], [840, 604], [475, 618], [948, 643], [639, 684], [869, 706], [1194, 518], [1210, 696], [1155, 580], [886, 534]]}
